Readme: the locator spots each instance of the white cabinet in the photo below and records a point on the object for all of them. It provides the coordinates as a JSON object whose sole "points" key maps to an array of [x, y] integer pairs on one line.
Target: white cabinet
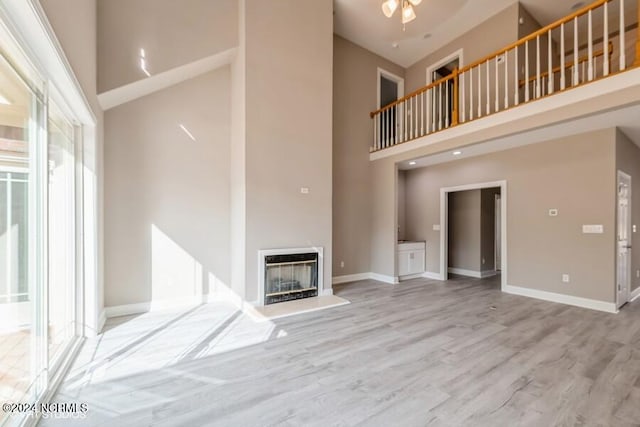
{"points": [[411, 258]]}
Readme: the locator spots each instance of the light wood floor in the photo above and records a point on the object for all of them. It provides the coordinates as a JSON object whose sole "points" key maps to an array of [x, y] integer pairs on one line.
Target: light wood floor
{"points": [[421, 353]]}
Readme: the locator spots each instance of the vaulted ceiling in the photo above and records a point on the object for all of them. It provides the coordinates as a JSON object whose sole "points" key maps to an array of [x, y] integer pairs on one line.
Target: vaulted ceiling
{"points": [[438, 22]]}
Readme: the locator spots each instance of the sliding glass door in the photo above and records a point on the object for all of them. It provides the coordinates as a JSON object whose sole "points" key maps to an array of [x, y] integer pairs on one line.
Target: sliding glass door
{"points": [[38, 261]]}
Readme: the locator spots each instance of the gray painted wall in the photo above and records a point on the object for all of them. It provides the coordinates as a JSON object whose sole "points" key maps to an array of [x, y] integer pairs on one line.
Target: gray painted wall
{"points": [[464, 230], [171, 33], [288, 141], [568, 174], [354, 97], [167, 209]]}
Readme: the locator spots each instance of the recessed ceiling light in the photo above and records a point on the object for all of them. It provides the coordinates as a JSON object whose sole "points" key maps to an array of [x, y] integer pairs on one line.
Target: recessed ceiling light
{"points": [[395, 45], [457, 153], [412, 163]]}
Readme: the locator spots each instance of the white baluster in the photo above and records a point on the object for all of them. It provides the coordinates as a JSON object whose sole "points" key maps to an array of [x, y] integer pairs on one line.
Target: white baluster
{"points": [[563, 71], [471, 94], [576, 77], [463, 106], [538, 67], [488, 106], [605, 46], [395, 124], [623, 54], [446, 104], [375, 131], [497, 87], [479, 90], [590, 45], [440, 106], [516, 100], [417, 118], [550, 65], [421, 113], [427, 115], [506, 79], [526, 71]]}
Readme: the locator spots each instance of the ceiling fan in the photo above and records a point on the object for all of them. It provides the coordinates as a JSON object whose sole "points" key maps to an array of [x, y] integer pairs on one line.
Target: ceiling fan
{"points": [[408, 14]]}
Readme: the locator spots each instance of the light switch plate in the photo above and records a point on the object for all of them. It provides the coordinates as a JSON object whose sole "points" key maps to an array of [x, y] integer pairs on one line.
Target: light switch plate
{"points": [[593, 229], [304, 190], [436, 227], [634, 228]]}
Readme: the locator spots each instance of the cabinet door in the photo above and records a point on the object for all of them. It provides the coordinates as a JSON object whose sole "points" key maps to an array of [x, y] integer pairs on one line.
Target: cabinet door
{"points": [[404, 264], [416, 262]]}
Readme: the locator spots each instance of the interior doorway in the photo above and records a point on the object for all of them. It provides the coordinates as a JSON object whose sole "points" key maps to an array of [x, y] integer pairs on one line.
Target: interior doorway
{"points": [[455, 212], [623, 234], [441, 97], [390, 89]]}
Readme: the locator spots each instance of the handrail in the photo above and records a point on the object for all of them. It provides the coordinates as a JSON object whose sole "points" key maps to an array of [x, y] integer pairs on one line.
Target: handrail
{"points": [[485, 87], [569, 64], [514, 45], [536, 34]]}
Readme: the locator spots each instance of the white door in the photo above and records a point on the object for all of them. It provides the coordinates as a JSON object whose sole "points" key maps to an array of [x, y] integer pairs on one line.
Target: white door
{"points": [[498, 233], [623, 276]]}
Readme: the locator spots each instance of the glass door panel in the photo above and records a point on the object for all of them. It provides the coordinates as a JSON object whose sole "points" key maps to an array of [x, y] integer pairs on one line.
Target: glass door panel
{"points": [[18, 305], [61, 215]]}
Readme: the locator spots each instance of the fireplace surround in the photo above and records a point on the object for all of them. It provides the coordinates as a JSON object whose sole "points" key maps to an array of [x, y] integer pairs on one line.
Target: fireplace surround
{"points": [[289, 274]]}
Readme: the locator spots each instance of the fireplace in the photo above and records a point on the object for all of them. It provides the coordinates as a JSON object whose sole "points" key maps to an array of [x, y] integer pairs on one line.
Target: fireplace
{"points": [[290, 274]]}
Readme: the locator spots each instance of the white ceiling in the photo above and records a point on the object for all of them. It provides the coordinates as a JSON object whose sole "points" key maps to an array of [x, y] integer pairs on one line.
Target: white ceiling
{"points": [[362, 22]]}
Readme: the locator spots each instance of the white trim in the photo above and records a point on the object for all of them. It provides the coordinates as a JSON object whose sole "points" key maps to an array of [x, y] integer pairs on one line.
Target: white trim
{"points": [[444, 61], [634, 295], [326, 292], [144, 307], [337, 280], [386, 279], [445, 225], [607, 307], [624, 176], [155, 83], [390, 76], [432, 276], [102, 319]]}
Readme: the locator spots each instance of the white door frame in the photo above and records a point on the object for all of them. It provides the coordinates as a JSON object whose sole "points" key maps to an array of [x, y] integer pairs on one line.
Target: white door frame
{"points": [[444, 225], [389, 75], [620, 302], [444, 61]]}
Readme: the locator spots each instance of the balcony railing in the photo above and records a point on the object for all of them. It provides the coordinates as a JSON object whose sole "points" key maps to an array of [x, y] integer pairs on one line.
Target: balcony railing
{"points": [[590, 44]]}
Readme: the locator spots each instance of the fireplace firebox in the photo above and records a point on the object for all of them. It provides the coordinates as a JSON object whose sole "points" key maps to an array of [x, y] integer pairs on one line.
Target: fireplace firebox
{"points": [[290, 276]]}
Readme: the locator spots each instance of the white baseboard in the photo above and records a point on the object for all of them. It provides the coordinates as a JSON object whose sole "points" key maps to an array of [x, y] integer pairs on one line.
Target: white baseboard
{"points": [[634, 295], [488, 273], [365, 276], [386, 279], [145, 307], [350, 278], [607, 307], [433, 276]]}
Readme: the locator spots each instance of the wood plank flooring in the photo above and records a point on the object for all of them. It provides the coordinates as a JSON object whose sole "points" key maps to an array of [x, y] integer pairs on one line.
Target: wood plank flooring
{"points": [[421, 353]]}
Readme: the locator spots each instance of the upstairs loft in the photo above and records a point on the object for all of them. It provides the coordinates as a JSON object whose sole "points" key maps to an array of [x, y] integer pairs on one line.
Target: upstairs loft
{"points": [[584, 63]]}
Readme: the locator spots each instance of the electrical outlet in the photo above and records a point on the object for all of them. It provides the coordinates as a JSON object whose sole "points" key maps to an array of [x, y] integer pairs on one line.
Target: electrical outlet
{"points": [[304, 190], [638, 274], [565, 278], [483, 261], [341, 264]]}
